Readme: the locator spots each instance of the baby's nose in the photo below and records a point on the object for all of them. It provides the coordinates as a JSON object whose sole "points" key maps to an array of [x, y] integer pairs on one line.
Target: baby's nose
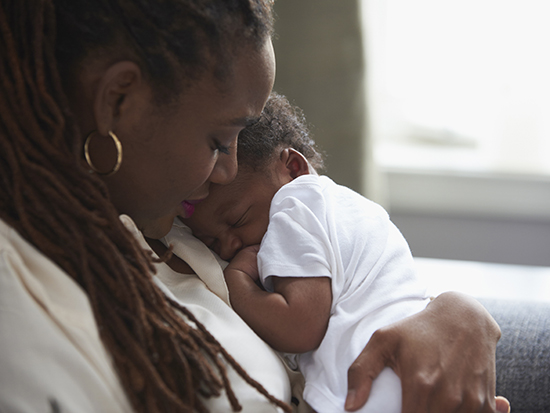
{"points": [[230, 247]]}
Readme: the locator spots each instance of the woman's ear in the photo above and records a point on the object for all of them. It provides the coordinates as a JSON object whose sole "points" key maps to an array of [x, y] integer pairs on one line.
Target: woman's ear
{"points": [[295, 163], [119, 84]]}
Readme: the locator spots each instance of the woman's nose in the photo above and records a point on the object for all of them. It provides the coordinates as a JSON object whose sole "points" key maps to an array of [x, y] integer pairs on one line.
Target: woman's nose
{"points": [[225, 168], [230, 246]]}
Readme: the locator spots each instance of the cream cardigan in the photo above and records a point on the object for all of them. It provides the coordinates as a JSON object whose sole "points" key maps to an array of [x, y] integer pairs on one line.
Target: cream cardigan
{"points": [[51, 356]]}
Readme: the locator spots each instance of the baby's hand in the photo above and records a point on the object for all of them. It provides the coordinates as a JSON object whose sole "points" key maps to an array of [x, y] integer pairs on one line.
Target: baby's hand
{"points": [[245, 261]]}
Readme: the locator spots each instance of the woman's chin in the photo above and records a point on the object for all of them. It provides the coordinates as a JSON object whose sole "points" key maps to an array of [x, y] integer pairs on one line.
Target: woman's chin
{"points": [[158, 228]]}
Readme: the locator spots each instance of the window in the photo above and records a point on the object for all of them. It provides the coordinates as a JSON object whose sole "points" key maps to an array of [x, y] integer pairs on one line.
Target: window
{"points": [[459, 117], [461, 87]]}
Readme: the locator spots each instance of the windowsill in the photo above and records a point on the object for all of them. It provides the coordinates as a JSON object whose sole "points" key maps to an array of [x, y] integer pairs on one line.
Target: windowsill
{"points": [[458, 182], [485, 280]]}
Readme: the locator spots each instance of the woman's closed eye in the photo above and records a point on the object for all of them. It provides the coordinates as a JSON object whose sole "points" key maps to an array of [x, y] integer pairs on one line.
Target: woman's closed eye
{"points": [[225, 141], [221, 148]]}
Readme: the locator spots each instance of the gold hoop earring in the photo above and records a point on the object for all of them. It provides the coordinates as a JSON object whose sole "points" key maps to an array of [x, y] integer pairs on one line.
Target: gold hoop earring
{"points": [[118, 146]]}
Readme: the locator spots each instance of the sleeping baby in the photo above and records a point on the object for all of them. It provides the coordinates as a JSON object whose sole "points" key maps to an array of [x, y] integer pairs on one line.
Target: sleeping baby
{"points": [[315, 268]]}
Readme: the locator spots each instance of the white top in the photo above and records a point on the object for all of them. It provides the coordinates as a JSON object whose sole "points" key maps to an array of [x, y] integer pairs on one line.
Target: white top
{"points": [[50, 350], [52, 357], [318, 228]]}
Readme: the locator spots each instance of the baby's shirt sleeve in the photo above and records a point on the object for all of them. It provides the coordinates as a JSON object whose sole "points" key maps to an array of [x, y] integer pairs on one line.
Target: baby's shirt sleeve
{"points": [[297, 242]]}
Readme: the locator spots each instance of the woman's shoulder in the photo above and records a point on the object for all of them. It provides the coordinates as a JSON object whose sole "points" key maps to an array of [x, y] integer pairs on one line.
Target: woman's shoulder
{"points": [[7, 237], [48, 337]]}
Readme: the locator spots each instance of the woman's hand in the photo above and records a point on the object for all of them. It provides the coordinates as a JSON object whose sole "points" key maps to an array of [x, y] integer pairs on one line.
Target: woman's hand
{"points": [[444, 355]]}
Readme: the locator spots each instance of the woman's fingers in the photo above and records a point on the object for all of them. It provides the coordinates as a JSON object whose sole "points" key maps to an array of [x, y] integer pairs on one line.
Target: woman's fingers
{"points": [[455, 370], [372, 360], [444, 356], [502, 404]]}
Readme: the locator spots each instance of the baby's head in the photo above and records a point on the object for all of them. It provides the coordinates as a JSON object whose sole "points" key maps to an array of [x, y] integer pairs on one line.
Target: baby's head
{"points": [[271, 153]]}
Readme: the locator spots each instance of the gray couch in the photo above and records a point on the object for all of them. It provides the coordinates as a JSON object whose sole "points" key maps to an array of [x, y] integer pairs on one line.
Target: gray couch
{"points": [[523, 353]]}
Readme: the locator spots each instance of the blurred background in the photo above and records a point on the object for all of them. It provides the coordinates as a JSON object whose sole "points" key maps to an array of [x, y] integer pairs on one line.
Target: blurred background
{"points": [[437, 109]]}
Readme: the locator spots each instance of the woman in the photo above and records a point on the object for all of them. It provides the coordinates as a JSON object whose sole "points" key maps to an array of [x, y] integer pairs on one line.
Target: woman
{"points": [[133, 107]]}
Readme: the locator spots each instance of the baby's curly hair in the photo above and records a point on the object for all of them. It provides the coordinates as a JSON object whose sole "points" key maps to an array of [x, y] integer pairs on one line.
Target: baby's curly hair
{"points": [[281, 125]]}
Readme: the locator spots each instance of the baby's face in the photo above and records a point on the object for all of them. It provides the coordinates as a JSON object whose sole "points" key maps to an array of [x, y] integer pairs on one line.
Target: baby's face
{"points": [[234, 216]]}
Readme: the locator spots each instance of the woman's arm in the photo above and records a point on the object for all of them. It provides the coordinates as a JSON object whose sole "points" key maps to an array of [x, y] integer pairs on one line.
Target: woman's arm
{"points": [[293, 318], [444, 355]]}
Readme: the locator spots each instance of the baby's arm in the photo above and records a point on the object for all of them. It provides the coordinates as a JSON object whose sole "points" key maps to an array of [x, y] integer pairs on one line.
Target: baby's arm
{"points": [[293, 318]]}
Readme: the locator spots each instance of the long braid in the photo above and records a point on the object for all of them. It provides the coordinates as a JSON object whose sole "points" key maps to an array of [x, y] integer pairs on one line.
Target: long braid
{"points": [[164, 357]]}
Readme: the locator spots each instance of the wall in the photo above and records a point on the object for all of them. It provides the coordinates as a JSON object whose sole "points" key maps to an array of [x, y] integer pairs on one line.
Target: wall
{"points": [[477, 217], [320, 68]]}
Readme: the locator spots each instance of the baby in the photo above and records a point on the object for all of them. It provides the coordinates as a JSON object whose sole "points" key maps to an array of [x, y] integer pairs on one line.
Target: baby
{"points": [[315, 268]]}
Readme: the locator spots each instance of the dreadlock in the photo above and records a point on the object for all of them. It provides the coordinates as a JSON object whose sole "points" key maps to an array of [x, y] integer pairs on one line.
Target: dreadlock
{"points": [[281, 124], [166, 360]]}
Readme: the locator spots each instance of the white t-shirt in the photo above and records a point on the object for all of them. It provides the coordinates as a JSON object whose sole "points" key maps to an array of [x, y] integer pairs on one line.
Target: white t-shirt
{"points": [[320, 229], [51, 356]]}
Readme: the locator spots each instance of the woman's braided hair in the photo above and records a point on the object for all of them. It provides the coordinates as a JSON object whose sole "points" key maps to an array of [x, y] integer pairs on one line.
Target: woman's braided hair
{"points": [[166, 362]]}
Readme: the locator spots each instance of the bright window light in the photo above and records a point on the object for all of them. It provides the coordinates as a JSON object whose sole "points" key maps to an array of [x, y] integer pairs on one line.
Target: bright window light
{"points": [[460, 84]]}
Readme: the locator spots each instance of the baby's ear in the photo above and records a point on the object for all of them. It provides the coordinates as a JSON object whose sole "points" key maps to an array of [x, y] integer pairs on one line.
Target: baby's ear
{"points": [[295, 162]]}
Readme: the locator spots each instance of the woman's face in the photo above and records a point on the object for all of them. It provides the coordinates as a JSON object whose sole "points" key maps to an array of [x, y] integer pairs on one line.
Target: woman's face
{"points": [[171, 156]]}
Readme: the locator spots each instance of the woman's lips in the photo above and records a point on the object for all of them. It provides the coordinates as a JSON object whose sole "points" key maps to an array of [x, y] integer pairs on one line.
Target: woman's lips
{"points": [[189, 207]]}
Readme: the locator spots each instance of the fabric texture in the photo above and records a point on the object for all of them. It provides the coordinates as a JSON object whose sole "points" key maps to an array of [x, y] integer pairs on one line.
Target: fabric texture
{"points": [[318, 228], [51, 356], [197, 292], [209, 268], [523, 353]]}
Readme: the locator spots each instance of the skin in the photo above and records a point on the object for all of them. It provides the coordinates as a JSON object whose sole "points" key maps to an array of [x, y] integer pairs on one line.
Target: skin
{"points": [[235, 216], [170, 156], [422, 362], [163, 144], [232, 221]]}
